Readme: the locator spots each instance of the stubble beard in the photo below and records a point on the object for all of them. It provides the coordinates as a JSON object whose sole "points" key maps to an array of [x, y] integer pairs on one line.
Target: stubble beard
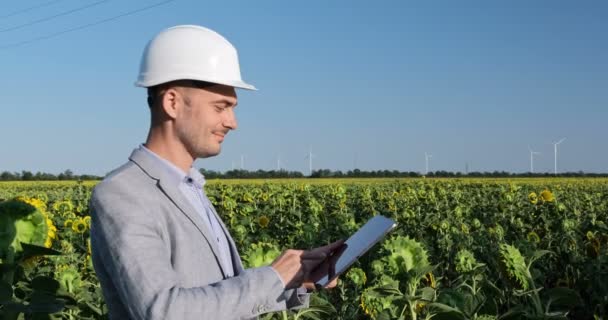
{"points": [[195, 144], [191, 140]]}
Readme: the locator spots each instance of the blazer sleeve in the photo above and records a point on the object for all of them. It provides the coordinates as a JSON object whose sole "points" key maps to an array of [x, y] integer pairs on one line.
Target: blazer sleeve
{"points": [[130, 241], [295, 298]]}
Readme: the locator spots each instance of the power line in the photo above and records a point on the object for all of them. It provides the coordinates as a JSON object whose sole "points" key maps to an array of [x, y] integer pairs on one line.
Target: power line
{"points": [[18, 12], [54, 16], [17, 44]]}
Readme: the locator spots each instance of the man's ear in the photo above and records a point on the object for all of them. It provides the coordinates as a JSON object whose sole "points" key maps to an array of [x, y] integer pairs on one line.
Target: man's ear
{"points": [[169, 102]]}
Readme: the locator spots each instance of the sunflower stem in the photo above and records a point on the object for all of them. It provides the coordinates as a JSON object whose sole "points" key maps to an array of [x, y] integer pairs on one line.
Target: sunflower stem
{"points": [[10, 260], [537, 303], [413, 309]]}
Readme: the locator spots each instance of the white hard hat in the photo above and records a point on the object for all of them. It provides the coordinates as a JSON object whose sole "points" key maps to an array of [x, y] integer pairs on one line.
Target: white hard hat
{"points": [[190, 52]]}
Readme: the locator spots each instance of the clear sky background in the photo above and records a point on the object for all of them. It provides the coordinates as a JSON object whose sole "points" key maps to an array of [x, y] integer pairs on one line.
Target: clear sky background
{"points": [[368, 83]]}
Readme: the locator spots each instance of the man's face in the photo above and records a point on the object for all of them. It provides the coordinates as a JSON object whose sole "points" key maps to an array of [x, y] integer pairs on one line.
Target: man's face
{"points": [[205, 117]]}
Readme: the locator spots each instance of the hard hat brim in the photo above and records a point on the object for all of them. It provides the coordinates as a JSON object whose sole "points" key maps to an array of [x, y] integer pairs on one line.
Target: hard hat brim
{"points": [[240, 85], [235, 84]]}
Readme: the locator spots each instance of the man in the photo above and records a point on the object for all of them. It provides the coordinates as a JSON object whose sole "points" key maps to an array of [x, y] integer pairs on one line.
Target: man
{"points": [[159, 248]]}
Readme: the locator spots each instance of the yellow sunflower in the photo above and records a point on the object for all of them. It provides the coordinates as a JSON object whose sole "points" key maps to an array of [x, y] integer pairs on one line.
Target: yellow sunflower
{"points": [[263, 221], [420, 306], [593, 248], [63, 207], [87, 220], [68, 223], [533, 197], [533, 237], [265, 196], [39, 204], [51, 233], [430, 279], [547, 196], [367, 308], [79, 226]]}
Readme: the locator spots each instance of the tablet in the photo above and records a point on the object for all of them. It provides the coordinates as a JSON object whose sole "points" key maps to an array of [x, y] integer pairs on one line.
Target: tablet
{"points": [[358, 244]]}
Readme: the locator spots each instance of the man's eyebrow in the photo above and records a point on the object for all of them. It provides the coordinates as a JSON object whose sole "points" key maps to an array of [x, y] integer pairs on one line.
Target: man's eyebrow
{"points": [[225, 101]]}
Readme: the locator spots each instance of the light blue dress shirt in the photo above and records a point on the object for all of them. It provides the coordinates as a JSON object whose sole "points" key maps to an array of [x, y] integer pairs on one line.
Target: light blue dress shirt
{"points": [[191, 186]]}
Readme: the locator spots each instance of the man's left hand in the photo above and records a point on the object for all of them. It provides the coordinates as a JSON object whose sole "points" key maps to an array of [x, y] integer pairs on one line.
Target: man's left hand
{"points": [[332, 251]]}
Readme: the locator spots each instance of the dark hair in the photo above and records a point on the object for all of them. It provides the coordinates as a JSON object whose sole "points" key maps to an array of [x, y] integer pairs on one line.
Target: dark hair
{"points": [[156, 91]]}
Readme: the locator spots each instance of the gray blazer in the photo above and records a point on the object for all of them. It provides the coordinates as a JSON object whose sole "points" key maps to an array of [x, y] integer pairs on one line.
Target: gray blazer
{"points": [[155, 258]]}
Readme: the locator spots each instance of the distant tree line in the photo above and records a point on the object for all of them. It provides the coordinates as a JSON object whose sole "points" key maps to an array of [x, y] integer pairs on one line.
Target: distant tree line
{"points": [[284, 174], [43, 176], [356, 173], [246, 174]]}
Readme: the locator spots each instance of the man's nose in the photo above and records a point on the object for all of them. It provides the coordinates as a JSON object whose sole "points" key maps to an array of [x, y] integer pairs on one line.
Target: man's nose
{"points": [[230, 119]]}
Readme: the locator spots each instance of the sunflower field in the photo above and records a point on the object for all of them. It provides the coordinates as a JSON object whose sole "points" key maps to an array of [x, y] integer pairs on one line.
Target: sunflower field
{"points": [[463, 249]]}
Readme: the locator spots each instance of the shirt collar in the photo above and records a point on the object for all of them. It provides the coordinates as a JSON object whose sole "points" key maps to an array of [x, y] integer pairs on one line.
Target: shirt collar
{"points": [[174, 173], [197, 178]]}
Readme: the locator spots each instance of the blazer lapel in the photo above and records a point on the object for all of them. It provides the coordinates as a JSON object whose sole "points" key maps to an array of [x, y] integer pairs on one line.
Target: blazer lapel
{"points": [[173, 193]]}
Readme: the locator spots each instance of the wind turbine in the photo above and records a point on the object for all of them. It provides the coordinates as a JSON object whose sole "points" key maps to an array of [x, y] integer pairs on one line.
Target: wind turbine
{"points": [[426, 161], [279, 162], [310, 156], [555, 152], [532, 153], [242, 162]]}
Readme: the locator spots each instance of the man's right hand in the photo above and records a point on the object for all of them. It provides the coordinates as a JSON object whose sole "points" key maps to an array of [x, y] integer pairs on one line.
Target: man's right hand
{"points": [[295, 266]]}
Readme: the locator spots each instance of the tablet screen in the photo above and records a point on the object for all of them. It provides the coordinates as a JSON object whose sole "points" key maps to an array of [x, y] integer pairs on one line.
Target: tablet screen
{"points": [[373, 231]]}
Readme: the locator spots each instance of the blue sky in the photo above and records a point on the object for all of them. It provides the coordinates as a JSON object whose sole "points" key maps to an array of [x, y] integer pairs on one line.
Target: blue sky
{"points": [[374, 84]]}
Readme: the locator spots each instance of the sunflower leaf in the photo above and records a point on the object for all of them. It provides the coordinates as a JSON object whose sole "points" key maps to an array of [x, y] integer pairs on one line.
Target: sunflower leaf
{"points": [[30, 250]]}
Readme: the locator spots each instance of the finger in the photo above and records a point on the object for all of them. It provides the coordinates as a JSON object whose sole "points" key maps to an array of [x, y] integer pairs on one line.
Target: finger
{"points": [[309, 285], [288, 255], [332, 284], [302, 272]]}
